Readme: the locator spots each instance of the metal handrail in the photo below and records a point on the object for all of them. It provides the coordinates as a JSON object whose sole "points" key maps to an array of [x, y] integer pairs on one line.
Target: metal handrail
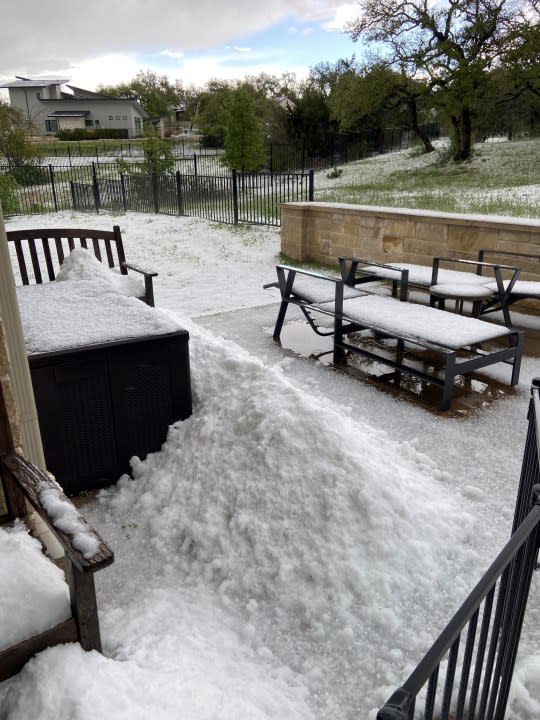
{"points": [[496, 606]]}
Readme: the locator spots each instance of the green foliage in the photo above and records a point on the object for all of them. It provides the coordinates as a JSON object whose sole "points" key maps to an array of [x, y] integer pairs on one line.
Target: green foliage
{"points": [[454, 46], [16, 147], [94, 134], [310, 123], [245, 147], [8, 194], [155, 93]]}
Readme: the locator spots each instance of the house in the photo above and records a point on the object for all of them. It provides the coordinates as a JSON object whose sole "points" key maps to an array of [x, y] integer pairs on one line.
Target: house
{"points": [[49, 109]]}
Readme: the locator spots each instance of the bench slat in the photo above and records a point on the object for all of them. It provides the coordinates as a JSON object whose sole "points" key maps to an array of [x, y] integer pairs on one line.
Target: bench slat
{"points": [[59, 249], [22, 262], [65, 241], [48, 258]]}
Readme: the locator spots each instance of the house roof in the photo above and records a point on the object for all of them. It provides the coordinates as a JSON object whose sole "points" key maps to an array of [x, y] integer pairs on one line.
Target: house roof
{"points": [[35, 82], [69, 113]]}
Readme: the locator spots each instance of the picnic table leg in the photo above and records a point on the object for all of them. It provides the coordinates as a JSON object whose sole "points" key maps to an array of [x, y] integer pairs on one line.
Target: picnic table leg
{"points": [[449, 378], [280, 319], [517, 341], [339, 352]]}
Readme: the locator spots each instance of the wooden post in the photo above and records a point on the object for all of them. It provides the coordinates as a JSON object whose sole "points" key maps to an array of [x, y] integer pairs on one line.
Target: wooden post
{"points": [[82, 593]]}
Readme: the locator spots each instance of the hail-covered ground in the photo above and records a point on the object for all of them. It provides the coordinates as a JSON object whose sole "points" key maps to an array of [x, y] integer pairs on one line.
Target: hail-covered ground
{"points": [[298, 542]]}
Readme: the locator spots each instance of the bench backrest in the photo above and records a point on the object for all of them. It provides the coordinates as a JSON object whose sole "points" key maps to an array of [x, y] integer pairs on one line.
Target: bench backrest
{"points": [[41, 252]]}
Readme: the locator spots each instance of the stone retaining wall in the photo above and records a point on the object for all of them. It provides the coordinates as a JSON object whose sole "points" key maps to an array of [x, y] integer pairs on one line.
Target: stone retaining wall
{"points": [[322, 231]]}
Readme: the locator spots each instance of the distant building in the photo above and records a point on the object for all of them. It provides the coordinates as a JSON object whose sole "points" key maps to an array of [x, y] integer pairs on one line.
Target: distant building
{"points": [[48, 109]]}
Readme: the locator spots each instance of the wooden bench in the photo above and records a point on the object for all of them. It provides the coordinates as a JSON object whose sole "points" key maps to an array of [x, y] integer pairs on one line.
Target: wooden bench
{"points": [[24, 484], [41, 252], [454, 338]]}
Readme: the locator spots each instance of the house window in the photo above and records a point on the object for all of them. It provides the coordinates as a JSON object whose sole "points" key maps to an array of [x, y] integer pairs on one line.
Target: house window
{"points": [[88, 123], [111, 117], [51, 125], [118, 117], [138, 124], [97, 123], [124, 117]]}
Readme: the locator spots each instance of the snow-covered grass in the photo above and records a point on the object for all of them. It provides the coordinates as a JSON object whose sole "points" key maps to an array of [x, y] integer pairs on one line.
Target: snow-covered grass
{"points": [[300, 540], [501, 178]]}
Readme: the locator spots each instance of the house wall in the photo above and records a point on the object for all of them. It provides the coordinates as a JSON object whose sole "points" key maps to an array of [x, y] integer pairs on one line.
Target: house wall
{"points": [[25, 99], [104, 113], [322, 231]]}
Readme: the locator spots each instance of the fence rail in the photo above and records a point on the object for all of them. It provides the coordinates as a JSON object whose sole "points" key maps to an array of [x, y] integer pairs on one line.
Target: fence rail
{"points": [[478, 672], [238, 197]]}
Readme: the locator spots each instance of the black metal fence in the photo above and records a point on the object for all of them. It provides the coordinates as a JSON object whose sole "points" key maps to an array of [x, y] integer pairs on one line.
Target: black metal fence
{"points": [[239, 197], [478, 673]]}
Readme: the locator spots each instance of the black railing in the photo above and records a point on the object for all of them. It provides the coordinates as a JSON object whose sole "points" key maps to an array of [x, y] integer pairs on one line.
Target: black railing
{"points": [[478, 672], [238, 197]]}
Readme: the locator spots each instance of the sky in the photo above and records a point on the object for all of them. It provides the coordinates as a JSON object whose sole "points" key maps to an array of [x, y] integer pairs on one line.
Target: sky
{"points": [[107, 43]]}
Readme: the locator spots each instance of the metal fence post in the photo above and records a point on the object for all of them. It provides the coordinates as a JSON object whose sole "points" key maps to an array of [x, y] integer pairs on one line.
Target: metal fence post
{"points": [[123, 188], [155, 192], [95, 187], [179, 194], [235, 196], [195, 164], [55, 199], [311, 185]]}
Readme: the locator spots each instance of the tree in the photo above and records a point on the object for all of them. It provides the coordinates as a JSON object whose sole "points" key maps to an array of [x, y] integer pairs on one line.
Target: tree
{"points": [[452, 46], [245, 147], [154, 92], [310, 122], [16, 146]]}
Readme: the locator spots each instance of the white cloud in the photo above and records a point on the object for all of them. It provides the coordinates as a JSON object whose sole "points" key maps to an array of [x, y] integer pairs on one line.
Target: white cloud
{"points": [[342, 15], [172, 53]]}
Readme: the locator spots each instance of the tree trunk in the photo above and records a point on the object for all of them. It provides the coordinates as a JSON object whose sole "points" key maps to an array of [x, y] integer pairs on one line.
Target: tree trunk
{"points": [[418, 131], [463, 134]]}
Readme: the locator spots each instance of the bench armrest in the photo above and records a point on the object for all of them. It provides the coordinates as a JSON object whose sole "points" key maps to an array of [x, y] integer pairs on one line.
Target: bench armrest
{"points": [[482, 253], [348, 273], [81, 543], [148, 281], [479, 264]]}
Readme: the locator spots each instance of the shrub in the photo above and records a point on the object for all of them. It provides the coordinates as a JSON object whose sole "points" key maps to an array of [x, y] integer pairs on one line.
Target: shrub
{"points": [[96, 134], [8, 194]]}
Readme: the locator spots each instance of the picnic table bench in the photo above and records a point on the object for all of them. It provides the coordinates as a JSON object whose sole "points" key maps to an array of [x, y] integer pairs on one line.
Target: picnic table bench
{"points": [[464, 284], [455, 339], [41, 252]]}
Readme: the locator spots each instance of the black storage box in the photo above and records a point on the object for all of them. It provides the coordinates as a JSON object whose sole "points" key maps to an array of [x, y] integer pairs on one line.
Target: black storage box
{"points": [[101, 404]]}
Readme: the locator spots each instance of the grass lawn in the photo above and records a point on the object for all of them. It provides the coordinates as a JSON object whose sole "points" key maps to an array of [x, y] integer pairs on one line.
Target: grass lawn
{"points": [[502, 178]]}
